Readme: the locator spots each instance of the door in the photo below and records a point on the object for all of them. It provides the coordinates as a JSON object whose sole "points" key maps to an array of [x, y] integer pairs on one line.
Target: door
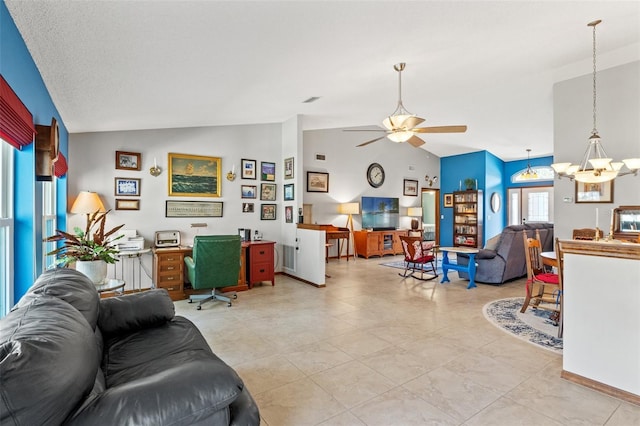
{"points": [[531, 204], [431, 214]]}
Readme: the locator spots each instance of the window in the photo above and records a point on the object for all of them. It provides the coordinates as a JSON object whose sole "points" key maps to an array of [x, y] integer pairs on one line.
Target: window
{"points": [[48, 221], [533, 204], [542, 172], [6, 227]]}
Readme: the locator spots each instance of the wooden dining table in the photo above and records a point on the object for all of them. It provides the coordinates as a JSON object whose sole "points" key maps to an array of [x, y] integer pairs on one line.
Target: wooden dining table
{"points": [[549, 259]]}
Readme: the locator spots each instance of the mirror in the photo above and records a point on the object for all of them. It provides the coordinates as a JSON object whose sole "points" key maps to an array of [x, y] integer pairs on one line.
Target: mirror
{"points": [[627, 223], [431, 214]]}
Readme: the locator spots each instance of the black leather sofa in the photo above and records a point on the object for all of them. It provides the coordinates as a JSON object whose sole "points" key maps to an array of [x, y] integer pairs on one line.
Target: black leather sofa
{"points": [[503, 259], [69, 357]]}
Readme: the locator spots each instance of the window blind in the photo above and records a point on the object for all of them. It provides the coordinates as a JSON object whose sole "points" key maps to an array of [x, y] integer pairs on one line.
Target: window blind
{"points": [[16, 122]]}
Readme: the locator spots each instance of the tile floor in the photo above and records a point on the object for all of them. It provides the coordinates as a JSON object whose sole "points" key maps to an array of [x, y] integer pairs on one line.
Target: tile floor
{"points": [[373, 348]]}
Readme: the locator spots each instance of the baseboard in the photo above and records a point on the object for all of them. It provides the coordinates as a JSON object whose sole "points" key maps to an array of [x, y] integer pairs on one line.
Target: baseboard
{"points": [[304, 281], [601, 387]]}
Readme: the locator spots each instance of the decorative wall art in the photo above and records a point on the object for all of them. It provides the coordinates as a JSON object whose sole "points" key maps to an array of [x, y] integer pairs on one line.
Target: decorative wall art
{"points": [[247, 207], [268, 191], [248, 191], [317, 182], [268, 212], [601, 192], [288, 168], [288, 214], [123, 204], [194, 175], [268, 171], [193, 208], [128, 160], [248, 168], [448, 200], [288, 192], [410, 188], [127, 187]]}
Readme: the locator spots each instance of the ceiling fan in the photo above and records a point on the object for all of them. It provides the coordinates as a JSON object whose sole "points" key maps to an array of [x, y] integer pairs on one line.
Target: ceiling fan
{"points": [[401, 124]]}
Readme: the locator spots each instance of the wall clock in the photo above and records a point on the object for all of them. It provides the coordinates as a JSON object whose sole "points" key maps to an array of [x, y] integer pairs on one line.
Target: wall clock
{"points": [[375, 175]]}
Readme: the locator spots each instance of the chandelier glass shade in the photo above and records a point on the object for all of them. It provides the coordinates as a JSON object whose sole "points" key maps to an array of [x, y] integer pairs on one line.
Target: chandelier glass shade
{"points": [[596, 165], [529, 173]]}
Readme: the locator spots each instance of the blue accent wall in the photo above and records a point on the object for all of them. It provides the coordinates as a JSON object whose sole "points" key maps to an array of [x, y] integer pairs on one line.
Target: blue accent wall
{"points": [[515, 166], [494, 183], [18, 68]]}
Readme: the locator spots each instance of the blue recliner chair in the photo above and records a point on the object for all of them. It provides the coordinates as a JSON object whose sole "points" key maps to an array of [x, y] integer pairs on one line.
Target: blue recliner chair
{"points": [[215, 263]]}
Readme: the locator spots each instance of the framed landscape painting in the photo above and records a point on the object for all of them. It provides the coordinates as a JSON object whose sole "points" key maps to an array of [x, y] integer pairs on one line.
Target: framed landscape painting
{"points": [[317, 182], [268, 171], [194, 175]]}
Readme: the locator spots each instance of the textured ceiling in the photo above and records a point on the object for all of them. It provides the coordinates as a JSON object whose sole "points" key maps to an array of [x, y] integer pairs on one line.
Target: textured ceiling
{"points": [[123, 65]]}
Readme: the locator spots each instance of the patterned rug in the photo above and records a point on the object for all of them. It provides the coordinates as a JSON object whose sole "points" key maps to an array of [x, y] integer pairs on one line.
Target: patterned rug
{"points": [[533, 326]]}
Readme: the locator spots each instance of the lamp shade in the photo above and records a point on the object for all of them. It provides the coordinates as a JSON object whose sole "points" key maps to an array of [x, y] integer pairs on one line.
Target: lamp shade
{"points": [[87, 202], [414, 211], [349, 208]]}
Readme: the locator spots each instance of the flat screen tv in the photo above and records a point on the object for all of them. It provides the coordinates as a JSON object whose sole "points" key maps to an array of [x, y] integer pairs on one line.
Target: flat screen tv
{"points": [[380, 213]]}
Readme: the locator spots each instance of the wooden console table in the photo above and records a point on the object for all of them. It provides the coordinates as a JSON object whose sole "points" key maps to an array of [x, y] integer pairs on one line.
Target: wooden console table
{"points": [[378, 243], [256, 259]]}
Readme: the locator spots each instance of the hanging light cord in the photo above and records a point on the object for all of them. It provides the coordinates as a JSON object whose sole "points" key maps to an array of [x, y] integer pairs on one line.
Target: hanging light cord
{"points": [[593, 24]]}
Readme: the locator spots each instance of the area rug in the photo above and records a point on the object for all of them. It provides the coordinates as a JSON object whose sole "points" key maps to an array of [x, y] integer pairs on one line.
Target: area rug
{"points": [[534, 326]]}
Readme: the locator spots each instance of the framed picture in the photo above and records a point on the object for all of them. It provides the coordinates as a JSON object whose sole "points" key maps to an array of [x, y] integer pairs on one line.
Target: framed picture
{"points": [[317, 182], [288, 192], [248, 168], [410, 188], [448, 200], [127, 187], [288, 214], [123, 204], [601, 192], [194, 175], [268, 191], [247, 207], [193, 208], [128, 160], [248, 191], [267, 212], [267, 171], [288, 168]]}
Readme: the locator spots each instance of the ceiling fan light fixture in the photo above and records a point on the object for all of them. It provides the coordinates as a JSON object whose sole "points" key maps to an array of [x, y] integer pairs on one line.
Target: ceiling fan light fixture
{"points": [[400, 136]]}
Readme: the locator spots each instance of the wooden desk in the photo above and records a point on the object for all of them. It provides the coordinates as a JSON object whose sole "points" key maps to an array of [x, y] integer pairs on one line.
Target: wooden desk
{"points": [[331, 233], [470, 268], [169, 272]]}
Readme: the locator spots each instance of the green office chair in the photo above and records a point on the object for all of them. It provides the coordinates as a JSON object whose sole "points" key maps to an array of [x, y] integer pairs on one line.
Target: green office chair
{"points": [[215, 264]]}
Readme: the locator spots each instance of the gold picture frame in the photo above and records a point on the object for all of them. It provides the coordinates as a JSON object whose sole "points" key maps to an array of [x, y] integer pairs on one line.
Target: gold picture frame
{"points": [[448, 200], [194, 175]]}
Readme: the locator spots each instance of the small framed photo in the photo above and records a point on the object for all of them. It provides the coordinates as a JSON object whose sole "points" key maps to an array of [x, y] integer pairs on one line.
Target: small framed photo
{"points": [[247, 208], [128, 160], [123, 204], [601, 192], [317, 182], [248, 168], [288, 214], [268, 171], [410, 188], [127, 187], [248, 191], [288, 192], [268, 191], [448, 200], [267, 212], [288, 168]]}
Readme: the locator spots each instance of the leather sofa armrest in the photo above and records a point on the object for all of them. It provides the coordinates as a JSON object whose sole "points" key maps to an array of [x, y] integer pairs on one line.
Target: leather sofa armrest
{"points": [[188, 393], [135, 311]]}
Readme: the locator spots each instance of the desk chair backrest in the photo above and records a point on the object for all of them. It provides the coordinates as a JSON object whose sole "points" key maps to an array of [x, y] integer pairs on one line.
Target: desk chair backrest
{"points": [[216, 261]]}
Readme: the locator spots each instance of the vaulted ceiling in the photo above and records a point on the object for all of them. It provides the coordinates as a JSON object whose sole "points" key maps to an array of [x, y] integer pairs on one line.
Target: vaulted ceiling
{"points": [[123, 65]]}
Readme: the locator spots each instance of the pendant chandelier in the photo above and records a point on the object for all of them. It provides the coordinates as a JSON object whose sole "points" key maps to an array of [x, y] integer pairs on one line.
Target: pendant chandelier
{"points": [[596, 166], [529, 173]]}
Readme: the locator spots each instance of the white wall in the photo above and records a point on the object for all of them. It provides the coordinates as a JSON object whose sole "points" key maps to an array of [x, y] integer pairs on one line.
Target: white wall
{"points": [[618, 123]]}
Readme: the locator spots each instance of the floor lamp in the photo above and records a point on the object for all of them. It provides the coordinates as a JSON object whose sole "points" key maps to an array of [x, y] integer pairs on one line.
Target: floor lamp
{"points": [[415, 213], [350, 209]]}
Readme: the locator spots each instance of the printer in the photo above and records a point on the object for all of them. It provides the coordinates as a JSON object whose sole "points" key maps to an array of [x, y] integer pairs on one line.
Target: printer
{"points": [[130, 240]]}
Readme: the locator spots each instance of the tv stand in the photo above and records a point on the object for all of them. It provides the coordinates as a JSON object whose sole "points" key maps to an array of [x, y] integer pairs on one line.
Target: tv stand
{"points": [[378, 243]]}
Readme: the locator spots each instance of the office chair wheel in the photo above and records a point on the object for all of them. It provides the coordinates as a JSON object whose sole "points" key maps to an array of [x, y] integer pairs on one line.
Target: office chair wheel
{"points": [[229, 305], [198, 308], [235, 296]]}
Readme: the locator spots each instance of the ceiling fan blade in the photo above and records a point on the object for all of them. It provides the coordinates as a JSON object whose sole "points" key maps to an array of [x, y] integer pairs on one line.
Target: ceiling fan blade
{"points": [[440, 129], [412, 122], [416, 141], [364, 130], [371, 141]]}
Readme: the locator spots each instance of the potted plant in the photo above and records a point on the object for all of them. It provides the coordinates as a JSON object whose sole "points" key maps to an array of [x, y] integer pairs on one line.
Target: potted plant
{"points": [[469, 183], [90, 249]]}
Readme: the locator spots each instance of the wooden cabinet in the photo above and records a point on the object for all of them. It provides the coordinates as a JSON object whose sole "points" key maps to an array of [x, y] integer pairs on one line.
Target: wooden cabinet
{"points": [[467, 218], [168, 271], [260, 266], [378, 243]]}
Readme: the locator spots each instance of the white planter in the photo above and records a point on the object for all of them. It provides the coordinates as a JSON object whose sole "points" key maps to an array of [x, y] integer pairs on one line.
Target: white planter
{"points": [[96, 270]]}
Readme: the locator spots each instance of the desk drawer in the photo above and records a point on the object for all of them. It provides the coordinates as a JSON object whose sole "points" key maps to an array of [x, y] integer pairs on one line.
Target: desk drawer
{"points": [[262, 254], [261, 271], [168, 280], [170, 267], [170, 257]]}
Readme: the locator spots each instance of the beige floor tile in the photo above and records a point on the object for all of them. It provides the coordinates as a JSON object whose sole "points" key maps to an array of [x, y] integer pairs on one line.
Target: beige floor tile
{"points": [[268, 373], [505, 412], [311, 359], [301, 403], [397, 364], [358, 343], [487, 372], [401, 407], [344, 419], [626, 414], [455, 395], [352, 383]]}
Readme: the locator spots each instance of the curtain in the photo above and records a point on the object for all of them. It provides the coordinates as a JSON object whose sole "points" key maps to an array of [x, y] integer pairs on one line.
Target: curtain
{"points": [[16, 122]]}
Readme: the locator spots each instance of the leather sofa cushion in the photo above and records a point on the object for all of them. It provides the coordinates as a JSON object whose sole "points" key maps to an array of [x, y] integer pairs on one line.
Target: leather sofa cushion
{"points": [[48, 362], [136, 311], [69, 285]]}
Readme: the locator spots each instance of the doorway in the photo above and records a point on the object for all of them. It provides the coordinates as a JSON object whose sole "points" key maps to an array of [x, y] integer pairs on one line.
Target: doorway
{"points": [[531, 204], [431, 214]]}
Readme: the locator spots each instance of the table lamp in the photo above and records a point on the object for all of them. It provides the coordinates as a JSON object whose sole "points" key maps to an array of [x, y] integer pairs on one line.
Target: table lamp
{"points": [[87, 202], [415, 213]]}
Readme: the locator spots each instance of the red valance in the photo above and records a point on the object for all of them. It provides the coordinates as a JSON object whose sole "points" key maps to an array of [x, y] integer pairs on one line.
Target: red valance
{"points": [[60, 166], [16, 122]]}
